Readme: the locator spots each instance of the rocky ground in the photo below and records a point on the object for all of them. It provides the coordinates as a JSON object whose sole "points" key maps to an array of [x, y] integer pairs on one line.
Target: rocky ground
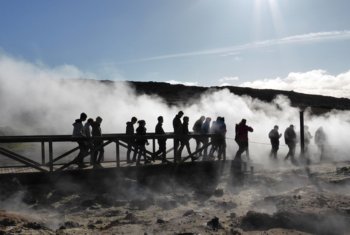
{"points": [[287, 200]]}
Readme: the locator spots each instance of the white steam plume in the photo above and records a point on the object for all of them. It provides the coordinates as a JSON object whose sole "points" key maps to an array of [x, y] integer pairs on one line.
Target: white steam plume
{"points": [[317, 82], [35, 99]]}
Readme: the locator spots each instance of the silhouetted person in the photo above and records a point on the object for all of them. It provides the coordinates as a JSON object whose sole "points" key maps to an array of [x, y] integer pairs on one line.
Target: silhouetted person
{"points": [[275, 141], [221, 139], [161, 141], [98, 155], [177, 125], [321, 141], [307, 140], [241, 139], [214, 139], [185, 139], [78, 131], [197, 127], [290, 139], [141, 142], [87, 132], [205, 130], [131, 141]]}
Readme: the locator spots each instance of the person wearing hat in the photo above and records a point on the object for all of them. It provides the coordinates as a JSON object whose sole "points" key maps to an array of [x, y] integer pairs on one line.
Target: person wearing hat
{"points": [[290, 138], [275, 141]]}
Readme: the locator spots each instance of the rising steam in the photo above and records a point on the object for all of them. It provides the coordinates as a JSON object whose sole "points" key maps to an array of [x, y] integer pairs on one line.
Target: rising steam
{"points": [[36, 99]]}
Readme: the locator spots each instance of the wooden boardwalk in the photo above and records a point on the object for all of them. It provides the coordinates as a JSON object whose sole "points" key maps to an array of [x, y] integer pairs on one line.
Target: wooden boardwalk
{"points": [[50, 161]]}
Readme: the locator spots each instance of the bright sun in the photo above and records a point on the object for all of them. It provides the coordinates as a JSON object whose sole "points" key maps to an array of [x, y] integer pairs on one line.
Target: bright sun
{"points": [[274, 12]]}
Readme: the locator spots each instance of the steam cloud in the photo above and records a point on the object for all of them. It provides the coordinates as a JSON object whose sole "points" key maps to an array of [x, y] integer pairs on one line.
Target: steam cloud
{"points": [[36, 99], [317, 82]]}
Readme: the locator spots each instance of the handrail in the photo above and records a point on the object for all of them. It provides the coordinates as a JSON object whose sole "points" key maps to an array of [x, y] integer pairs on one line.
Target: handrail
{"points": [[49, 160], [65, 138]]}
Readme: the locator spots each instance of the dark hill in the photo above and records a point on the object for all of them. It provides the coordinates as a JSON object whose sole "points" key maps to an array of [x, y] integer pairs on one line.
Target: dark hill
{"points": [[175, 94]]}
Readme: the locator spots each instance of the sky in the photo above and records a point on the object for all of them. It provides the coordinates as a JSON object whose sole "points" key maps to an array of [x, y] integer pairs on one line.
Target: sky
{"points": [[300, 45]]}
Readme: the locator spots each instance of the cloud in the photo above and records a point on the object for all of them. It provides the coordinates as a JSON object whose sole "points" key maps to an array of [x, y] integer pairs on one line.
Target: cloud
{"points": [[234, 50], [173, 82], [225, 81], [312, 82]]}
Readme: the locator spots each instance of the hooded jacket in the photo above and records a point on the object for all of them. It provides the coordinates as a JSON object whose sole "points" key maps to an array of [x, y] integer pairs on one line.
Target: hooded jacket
{"points": [[78, 128]]}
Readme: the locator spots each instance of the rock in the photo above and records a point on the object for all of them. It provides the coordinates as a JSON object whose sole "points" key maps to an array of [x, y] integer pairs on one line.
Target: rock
{"points": [[233, 215], [343, 170], [34, 225], [91, 226], [214, 224], [219, 192], [236, 232], [98, 222], [131, 218], [111, 213], [257, 221], [160, 221], [7, 222], [189, 212], [315, 223], [70, 224], [189, 233]]}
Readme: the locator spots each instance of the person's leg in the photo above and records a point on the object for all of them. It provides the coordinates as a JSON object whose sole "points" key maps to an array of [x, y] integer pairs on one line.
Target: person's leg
{"points": [[128, 152], [101, 156], [162, 147], [205, 151], [135, 151]]}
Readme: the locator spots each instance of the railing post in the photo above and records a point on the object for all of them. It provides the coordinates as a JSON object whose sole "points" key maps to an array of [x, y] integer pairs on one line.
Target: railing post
{"points": [[154, 145], [175, 150], [51, 155], [43, 153], [117, 153], [224, 153]]}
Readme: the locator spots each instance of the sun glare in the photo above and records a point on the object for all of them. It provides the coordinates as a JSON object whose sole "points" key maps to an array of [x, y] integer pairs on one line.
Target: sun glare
{"points": [[273, 9]]}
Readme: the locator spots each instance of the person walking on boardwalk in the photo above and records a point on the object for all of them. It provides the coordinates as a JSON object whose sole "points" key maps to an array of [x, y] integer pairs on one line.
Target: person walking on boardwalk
{"points": [[89, 142], [241, 139], [141, 142], [161, 140], [321, 142], [78, 131], [275, 141], [205, 130], [197, 127], [305, 156], [98, 155], [185, 139], [221, 131], [290, 139], [177, 125], [214, 139], [131, 141]]}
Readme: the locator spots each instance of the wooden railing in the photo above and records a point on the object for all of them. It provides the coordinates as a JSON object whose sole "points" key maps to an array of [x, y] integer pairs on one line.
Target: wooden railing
{"points": [[50, 162]]}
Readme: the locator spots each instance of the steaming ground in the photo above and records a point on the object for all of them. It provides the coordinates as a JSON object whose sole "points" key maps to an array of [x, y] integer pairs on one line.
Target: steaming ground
{"points": [[278, 198], [287, 200]]}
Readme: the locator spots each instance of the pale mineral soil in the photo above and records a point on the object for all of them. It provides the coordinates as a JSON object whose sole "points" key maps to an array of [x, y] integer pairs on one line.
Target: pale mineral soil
{"points": [[287, 200]]}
